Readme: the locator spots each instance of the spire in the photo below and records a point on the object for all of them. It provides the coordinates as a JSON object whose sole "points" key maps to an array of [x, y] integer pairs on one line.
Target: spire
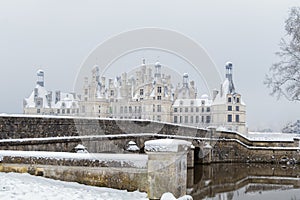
{"points": [[157, 70], [185, 80], [40, 78], [228, 67]]}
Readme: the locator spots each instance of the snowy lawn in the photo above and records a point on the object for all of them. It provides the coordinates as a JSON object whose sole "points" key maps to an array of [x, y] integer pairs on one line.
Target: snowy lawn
{"points": [[25, 186]]}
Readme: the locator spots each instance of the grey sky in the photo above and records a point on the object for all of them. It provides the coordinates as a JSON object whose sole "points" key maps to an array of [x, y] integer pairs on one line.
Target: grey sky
{"points": [[58, 35]]}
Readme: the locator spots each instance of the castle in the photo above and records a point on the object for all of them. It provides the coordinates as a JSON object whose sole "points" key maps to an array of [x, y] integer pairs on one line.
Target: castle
{"points": [[146, 95]]}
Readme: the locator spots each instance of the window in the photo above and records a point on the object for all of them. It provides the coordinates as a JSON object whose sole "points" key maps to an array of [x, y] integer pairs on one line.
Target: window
{"points": [[63, 105], [121, 109], [38, 110], [186, 109], [202, 109], [202, 119], [63, 111], [58, 111], [237, 118], [207, 119], [158, 118], [180, 109], [112, 93], [238, 100], [181, 102], [125, 109], [197, 119], [192, 102], [229, 118], [175, 109], [141, 92], [130, 109], [192, 109], [68, 111], [186, 119], [158, 89], [202, 102], [197, 109], [175, 119], [153, 108], [192, 119], [158, 108], [85, 91], [237, 108], [208, 109], [180, 119], [229, 99], [158, 97], [229, 108], [83, 109]]}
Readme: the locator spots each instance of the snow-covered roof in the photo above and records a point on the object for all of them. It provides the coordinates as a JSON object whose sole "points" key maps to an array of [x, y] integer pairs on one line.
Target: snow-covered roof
{"points": [[192, 102], [67, 100], [221, 97], [41, 93]]}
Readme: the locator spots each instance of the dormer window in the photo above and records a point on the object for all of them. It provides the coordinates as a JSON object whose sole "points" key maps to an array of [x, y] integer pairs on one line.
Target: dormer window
{"points": [[158, 89], [181, 102], [237, 100], [229, 100], [63, 105], [141, 92], [192, 102]]}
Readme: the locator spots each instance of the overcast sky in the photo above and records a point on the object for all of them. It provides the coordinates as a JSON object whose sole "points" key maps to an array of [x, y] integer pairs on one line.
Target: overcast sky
{"points": [[57, 36]]}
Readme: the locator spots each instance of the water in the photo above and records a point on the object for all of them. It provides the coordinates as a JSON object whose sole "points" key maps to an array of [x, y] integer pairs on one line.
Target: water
{"points": [[244, 182]]}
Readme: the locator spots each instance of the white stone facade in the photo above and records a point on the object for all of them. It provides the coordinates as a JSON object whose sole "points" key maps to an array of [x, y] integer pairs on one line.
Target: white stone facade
{"points": [[146, 95]]}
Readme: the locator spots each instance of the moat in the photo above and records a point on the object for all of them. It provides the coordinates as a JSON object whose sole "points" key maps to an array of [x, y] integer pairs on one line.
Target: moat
{"points": [[244, 181]]}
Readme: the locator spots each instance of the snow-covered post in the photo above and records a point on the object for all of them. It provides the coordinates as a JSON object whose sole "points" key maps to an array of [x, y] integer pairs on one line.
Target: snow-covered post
{"points": [[167, 167]]}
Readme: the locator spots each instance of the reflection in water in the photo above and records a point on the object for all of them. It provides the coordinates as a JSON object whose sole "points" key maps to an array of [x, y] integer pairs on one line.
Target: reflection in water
{"points": [[227, 181]]}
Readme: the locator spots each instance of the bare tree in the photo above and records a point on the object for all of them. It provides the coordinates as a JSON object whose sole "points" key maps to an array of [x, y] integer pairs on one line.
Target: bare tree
{"points": [[284, 76]]}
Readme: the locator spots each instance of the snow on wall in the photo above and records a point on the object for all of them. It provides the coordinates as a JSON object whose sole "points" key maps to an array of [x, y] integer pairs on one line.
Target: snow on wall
{"points": [[138, 161]]}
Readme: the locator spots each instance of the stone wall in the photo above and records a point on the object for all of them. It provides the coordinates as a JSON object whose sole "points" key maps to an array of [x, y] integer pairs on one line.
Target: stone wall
{"points": [[111, 135], [130, 179], [15, 127]]}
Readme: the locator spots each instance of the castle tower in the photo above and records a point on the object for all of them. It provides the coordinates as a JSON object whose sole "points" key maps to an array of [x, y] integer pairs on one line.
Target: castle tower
{"points": [[40, 78]]}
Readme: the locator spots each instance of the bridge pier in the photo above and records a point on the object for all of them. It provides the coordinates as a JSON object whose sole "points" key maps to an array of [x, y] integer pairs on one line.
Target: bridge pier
{"points": [[167, 167]]}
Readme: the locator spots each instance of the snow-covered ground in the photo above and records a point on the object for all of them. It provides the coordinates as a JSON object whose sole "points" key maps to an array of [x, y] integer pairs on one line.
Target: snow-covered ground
{"points": [[25, 186]]}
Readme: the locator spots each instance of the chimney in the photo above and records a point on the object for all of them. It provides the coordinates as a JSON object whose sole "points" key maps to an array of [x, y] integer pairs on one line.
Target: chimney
{"points": [[40, 78], [57, 96]]}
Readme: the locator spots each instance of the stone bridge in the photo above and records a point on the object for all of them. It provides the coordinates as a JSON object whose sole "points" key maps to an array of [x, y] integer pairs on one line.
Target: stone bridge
{"points": [[45, 133]]}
